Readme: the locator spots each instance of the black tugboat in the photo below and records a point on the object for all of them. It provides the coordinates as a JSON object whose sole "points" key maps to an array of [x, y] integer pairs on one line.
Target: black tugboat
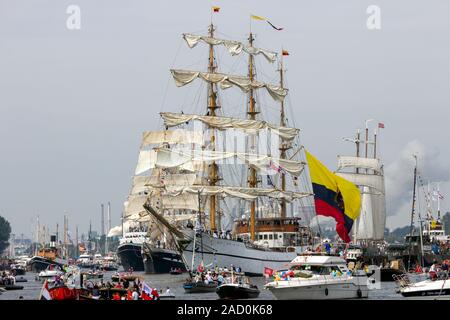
{"points": [[161, 260], [129, 251], [238, 287]]}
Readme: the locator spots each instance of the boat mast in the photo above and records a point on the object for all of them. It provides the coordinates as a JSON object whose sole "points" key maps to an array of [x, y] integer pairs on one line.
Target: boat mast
{"points": [[252, 115], [212, 106], [412, 211], [283, 146]]}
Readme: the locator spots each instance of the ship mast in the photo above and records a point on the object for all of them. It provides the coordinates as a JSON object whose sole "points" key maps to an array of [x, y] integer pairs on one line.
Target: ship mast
{"points": [[283, 146], [412, 211], [212, 106], [252, 115]]}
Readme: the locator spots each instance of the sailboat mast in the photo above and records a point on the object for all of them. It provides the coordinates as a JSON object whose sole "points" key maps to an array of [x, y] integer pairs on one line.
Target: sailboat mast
{"points": [[212, 106], [412, 212], [283, 146], [252, 115]]}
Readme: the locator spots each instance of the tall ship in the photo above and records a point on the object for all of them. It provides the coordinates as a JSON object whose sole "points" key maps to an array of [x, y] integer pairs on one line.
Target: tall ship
{"points": [[210, 186], [365, 169]]}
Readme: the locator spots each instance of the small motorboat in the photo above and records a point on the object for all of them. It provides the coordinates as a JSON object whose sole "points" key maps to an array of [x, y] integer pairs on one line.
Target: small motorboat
{"points": [[164, 296], [237, 288], [438, 289], [9, 287], [237, 291], [126, 277], [21, 279], [51, 271], [199, 286], [176, 271]]}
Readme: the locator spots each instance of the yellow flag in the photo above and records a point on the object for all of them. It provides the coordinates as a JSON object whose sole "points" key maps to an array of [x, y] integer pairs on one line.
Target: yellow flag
{"points": [[258, 17], [334, 196]]}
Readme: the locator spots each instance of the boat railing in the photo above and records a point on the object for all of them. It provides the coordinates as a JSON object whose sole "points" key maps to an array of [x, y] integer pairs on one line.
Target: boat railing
{"points": [[402, 280]]}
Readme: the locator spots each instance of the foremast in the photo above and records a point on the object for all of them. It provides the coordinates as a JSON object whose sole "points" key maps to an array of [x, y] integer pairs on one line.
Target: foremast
{"points": [[212, 106]]}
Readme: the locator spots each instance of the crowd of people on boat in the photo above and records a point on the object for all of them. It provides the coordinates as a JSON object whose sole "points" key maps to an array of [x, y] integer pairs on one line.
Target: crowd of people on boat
{"points": [[7, 279], [439, 271], [217, 274]]}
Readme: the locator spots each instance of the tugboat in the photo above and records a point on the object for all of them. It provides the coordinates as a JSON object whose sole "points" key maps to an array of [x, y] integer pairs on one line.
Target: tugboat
{"points": [[237, 287], [45, 257], [129, 250]]}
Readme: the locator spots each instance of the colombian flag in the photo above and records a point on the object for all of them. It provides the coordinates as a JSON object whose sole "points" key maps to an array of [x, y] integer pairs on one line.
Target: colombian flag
{"points": [[334, 197]]}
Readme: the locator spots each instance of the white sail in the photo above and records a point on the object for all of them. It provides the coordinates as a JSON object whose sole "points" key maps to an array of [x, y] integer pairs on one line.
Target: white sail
{"points": [[233, 47], [364, 223], [135, 203], [362, 179], [184, 77], [145, 161], [144, 183], [171, 158], [359, 162], [174, 119], [179, 136]]}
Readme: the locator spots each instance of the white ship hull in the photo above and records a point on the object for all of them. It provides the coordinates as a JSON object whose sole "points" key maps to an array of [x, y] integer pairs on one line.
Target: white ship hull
{"points": [[320, 290], [224, 253]]}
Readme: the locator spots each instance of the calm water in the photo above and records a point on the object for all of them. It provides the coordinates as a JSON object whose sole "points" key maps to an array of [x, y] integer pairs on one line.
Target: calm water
{"points": [[32, 288]]}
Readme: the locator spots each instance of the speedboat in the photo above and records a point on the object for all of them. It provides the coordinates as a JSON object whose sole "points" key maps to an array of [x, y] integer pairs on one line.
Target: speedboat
{"points": [[438, 289], [237, 288], [51, 271], [319, 277]]}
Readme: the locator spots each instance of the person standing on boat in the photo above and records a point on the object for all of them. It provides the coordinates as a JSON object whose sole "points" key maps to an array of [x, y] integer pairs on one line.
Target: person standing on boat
{"points": [[135, 294], [433, 270]]}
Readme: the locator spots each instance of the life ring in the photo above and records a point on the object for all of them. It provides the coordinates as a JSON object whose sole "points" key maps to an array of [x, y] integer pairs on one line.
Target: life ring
{"points": [[326, 291], [359, 293]]}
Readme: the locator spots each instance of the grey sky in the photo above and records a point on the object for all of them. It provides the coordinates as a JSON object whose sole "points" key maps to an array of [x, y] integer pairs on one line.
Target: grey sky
{"points": [[73, 103]]}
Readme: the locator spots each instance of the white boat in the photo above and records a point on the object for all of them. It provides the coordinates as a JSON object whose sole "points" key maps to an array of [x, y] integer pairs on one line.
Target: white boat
{"points": [[319, 277], [50, 272], [426, 289]]}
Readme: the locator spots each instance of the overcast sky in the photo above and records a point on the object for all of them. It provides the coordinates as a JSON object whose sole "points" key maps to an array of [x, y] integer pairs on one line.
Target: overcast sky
{"points": [[73, 103]]}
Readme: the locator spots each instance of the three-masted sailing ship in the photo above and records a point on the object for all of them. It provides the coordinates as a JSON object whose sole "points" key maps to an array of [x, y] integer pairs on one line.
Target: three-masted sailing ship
{"points": [[182, 180], [366, 171]]}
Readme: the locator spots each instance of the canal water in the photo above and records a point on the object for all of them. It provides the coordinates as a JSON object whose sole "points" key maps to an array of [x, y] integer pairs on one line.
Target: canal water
{"points": [[33, 287]]}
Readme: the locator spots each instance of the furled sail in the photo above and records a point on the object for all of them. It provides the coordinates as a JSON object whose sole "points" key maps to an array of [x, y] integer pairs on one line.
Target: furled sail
{"points": [[237, 192], [184, 77], [148, 160], [171, 158], [359, 162], [179, 136], [174, 119], [179, 201], [233, 47]]}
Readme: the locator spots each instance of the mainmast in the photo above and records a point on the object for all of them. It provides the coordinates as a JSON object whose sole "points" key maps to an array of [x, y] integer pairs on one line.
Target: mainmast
{"points": [[212, 106], [283, 146], [252, 182]]}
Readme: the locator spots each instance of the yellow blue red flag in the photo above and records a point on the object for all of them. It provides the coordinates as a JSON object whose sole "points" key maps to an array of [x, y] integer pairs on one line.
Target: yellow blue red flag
{"points": [[334, 197]]}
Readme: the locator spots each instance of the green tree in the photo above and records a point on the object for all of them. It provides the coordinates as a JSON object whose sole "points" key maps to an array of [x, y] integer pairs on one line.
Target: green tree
{"points": [[5, 231]]}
